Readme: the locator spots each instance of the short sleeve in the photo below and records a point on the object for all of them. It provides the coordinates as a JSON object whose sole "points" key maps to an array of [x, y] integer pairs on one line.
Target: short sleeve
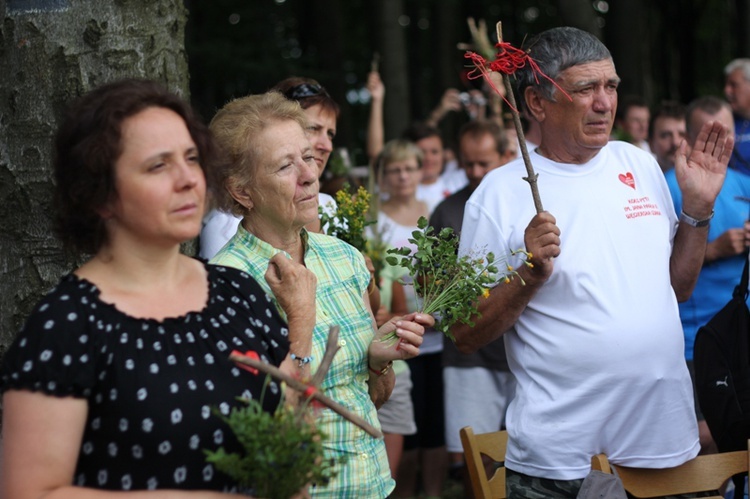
{"points": [[54, 352]]}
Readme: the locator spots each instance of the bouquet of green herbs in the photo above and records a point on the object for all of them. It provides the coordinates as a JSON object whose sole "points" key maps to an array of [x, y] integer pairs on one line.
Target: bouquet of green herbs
{"points": [[448, 286], [283, 451]]}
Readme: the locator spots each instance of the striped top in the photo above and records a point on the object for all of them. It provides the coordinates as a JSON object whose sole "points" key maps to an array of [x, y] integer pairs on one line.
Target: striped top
{"points": [[342, 280]]}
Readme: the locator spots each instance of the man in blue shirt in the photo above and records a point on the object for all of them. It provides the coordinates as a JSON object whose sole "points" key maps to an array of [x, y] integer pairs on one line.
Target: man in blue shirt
{"points": [[728, 237]]}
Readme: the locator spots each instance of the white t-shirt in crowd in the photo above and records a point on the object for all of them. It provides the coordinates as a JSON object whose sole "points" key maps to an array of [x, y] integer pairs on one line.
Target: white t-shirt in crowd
{"points": [[599, 351], [446, 184]]}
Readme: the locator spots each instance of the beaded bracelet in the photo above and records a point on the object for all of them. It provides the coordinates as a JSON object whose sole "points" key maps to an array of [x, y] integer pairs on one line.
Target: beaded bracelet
{"points": [[382, 371], [302, 360]]}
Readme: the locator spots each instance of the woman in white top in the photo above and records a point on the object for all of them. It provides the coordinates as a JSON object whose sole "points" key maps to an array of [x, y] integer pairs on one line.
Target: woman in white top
{"points": [[400, 170]]}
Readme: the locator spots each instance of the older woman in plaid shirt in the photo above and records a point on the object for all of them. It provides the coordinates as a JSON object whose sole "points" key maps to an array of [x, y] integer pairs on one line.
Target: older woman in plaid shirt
{"points": [[269, 177]]}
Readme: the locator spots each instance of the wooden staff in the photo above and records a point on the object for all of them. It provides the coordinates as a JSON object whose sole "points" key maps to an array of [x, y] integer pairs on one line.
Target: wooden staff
{"points": [[310, 390], [531, 174]]}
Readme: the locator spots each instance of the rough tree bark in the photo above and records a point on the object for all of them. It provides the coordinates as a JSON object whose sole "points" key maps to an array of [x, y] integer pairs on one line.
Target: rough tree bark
{"points": [[52, 51]]}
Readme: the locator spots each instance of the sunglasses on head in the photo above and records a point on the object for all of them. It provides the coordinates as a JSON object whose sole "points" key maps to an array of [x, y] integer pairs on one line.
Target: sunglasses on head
{"points": [[304, 90]]}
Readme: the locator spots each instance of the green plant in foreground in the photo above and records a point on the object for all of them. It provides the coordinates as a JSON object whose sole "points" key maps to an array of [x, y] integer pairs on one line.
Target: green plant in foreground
{"points": [[283, 451], [449, 286]]}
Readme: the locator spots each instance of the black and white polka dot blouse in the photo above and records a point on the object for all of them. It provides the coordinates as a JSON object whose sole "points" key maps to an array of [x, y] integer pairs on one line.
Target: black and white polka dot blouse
{"points": [[150, 385]]}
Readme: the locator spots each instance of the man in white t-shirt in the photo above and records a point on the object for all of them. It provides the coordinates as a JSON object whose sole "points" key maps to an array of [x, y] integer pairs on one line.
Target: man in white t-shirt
{"points": [[593, 337]]}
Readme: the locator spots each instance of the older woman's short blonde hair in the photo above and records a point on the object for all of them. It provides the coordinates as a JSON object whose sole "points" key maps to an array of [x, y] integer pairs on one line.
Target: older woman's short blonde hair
{"points": [[236, 128], [398, 150]]}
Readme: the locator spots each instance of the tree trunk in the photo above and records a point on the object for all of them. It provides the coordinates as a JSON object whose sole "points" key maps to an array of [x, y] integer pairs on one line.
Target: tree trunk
{"points": [[742, 22], [579, 14], [629, 44], [391, 39], [52, 51]]}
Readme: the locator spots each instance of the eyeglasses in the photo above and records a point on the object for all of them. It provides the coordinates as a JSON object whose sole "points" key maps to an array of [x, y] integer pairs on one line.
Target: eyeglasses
{"points": [[396, 172], [304, 90]]}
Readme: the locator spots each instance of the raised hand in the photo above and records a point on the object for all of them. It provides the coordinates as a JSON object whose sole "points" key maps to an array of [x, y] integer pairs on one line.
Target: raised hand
{"points": [[701, 174]]}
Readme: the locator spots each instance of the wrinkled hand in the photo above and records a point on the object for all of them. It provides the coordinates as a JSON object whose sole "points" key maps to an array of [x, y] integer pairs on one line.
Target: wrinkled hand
{"points": [[375, 86], [293, 285], [701, 175], [409, 330], [542, 240]]}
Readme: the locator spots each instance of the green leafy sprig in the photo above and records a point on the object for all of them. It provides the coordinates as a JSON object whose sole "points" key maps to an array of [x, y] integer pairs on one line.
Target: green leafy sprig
{"points": [[283, 451], [449, 286]]}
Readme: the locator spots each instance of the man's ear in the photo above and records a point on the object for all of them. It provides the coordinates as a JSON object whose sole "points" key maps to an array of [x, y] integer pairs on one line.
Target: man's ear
{"points": [[240, 193], [534, 103]]}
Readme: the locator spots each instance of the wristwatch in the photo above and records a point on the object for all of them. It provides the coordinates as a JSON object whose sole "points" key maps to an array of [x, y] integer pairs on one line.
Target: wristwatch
{"points": [[694, 222]]}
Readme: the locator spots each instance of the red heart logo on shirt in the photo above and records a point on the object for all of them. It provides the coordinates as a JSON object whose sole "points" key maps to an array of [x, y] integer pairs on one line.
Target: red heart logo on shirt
{"points": [[627, 179]]}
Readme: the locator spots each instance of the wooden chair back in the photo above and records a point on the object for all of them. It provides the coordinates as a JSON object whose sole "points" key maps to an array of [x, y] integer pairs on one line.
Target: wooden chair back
{"points": [[493, 446], [705, 473]]}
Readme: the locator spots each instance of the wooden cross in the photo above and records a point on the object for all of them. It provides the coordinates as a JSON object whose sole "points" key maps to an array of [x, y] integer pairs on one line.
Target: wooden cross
{"points": [[310, 390]]}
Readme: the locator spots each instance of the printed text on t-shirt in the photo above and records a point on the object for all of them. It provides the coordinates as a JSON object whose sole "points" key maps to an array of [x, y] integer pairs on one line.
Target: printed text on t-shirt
{"points": [[641, 207]]}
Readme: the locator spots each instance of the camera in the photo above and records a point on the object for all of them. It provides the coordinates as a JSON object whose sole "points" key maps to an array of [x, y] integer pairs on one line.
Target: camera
{"points": [[467, 99]]}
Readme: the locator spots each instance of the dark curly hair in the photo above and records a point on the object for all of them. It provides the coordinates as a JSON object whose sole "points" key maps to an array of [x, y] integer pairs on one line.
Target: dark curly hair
{"points": [[87, 146]]}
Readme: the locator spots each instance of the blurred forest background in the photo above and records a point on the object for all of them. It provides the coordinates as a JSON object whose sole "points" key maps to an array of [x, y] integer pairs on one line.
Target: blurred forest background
{"points": [[663, 49]]}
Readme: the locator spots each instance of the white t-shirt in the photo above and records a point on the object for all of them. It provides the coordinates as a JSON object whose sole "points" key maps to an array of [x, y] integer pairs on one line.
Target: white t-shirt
{"points": [[433, 194], [219, 227], [598, 351]]}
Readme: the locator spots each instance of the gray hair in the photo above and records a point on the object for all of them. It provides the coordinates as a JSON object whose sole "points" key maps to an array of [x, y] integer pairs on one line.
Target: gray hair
{"points": [[556, 50], [741, 64]]}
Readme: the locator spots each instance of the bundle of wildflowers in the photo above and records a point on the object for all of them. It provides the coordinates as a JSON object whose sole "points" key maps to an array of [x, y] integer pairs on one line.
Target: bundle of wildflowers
{"points": [[448, 286], [282, 451], [348, 222]]}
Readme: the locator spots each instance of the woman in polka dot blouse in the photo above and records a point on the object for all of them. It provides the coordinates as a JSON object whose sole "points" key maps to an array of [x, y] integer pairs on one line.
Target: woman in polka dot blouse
{"points": [[111, 384], [271, 180]]}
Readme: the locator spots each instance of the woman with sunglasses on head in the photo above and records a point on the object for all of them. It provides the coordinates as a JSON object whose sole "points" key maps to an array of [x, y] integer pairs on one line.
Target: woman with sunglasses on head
{"points": [[109, 387], [321, 112]]}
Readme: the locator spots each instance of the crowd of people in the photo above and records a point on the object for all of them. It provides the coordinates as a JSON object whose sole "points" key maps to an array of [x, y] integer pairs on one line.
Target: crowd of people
{"points": [[110, 386]]}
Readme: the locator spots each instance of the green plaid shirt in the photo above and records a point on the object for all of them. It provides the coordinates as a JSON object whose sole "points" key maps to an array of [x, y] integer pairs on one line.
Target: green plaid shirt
{"points": [[342, 281]]}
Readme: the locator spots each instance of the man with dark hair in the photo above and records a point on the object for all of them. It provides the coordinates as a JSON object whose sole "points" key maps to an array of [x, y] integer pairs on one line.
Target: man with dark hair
{"points": [[728, 237], [667, 132], [632, 121], [591, 327]]}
